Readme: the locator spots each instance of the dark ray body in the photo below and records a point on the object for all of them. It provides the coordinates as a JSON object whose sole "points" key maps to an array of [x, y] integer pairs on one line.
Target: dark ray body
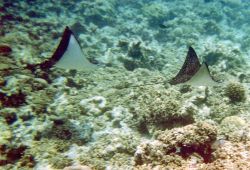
{"points": [[193, 73]]}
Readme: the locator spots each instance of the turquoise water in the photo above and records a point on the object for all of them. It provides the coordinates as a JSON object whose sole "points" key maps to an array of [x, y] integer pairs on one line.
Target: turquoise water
{"points": [[109, 84]]}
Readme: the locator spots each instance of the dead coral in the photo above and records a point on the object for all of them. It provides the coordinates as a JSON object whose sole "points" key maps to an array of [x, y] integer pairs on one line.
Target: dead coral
{"points": [[108, 149], [140, 55], [156, 106], [12, 155], [5, 49], [51, 150], [235, 128], [10, 117], [68, 131], [135, 51], [14, 100], [60, 162], [40, 101], [172, 147], [230, 155], [101, 13]]}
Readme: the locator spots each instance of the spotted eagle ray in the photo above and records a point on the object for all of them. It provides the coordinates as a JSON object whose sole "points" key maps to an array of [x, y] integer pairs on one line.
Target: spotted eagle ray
{"points": [[193, 73], [68, 55], [189, 68]]}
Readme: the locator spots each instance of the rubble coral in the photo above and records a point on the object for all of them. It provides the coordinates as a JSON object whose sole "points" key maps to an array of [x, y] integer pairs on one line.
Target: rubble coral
{"points": [[230, 155], [235, 129]]}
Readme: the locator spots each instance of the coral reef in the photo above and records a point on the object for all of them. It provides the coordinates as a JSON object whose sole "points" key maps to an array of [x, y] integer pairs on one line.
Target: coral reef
{"points": [[10, 117], [66, 130], [14, 100], [54, 152], [230, 156], [6, 133], [10, 155], [172, 147], [234, 128], [111, 148], [158, 108], [5, 50], [76, 120], [235, 92], [156, 13]]}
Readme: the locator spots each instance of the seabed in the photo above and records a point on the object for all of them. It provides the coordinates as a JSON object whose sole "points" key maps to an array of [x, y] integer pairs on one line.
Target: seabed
{"points": [[125, 113]]}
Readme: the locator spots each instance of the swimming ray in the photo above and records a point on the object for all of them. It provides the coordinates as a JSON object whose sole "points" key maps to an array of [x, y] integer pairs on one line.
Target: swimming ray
{"points": [[193, 73], [68, 55], [202, 77], [189, 68]]}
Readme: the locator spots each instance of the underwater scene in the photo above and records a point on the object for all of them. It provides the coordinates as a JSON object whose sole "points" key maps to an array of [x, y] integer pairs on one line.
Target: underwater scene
{"points": [[124, 85]]}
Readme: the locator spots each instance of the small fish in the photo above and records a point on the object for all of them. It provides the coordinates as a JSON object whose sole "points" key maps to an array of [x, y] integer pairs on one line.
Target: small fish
{"points": [[163, 26]]}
